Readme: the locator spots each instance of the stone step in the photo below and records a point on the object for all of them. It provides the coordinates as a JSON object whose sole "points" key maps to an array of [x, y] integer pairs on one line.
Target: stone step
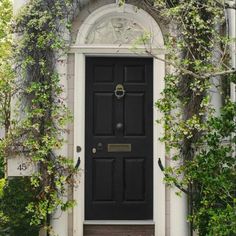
{"points": [[118, 230]]}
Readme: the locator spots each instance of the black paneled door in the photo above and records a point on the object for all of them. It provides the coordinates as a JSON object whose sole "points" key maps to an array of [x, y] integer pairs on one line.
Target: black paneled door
{"points": [[119, 138]]}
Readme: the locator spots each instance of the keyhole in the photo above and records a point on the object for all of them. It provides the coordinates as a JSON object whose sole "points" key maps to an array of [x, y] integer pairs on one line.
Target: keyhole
{"points": [[99, 146]]}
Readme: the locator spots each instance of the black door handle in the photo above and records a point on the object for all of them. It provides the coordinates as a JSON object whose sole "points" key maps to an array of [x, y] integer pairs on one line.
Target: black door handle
{"points": [[78, 163]]}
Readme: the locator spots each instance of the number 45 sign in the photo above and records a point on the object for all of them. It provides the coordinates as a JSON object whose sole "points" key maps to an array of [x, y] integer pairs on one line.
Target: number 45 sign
{"points": [[20, 166]]}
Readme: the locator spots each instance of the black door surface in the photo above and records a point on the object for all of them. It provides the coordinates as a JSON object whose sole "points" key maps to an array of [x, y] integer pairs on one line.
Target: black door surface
{"points": [[119, 137]]}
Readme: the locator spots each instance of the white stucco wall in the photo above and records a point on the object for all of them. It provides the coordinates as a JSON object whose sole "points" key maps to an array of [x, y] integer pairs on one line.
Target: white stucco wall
{"points": [[17, 4], [232, 33]]}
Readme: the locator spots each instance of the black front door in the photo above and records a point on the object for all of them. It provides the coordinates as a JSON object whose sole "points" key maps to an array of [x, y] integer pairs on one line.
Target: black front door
{"points": [[119, 138]]}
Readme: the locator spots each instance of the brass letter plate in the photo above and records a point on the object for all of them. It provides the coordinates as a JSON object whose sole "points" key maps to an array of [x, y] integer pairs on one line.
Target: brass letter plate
{"points": [[119, 147]]}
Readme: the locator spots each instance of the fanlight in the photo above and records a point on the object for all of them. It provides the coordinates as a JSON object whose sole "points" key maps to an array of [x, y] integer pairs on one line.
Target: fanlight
{"points": [[115, 30]]}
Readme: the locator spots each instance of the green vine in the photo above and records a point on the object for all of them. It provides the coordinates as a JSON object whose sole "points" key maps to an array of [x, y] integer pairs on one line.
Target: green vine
{"points": [[197, 140], [7, 86], [38, 131]]}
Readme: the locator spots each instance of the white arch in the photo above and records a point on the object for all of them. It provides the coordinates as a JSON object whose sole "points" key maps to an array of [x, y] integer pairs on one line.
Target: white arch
{"points": [[127, 12]]}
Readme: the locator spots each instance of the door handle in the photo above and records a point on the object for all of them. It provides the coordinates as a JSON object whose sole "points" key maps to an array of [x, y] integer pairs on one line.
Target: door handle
{"points": [[94, 150], [78, 163]]}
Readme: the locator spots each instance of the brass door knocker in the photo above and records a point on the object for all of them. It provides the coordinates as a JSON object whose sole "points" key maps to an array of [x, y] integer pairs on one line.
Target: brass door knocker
{"points": [[119, 91]]}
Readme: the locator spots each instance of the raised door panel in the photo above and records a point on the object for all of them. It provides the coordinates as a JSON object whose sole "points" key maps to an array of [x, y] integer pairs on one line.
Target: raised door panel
{"points": [[134, 73], [134, 114], [134, 179], [104, 73], [103, 175], [103, 114]]}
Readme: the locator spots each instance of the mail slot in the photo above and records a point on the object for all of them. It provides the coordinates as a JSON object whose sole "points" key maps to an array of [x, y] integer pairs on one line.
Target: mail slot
{"points": [[119, 147]]}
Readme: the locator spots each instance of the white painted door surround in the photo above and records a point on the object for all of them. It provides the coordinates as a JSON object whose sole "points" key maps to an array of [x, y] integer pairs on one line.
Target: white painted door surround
{"points": [[109, 31]]}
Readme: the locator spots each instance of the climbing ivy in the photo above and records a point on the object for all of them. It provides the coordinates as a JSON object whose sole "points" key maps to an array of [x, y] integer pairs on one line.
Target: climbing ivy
{"points": [[6, 72], [200, 144], [41, 116]]}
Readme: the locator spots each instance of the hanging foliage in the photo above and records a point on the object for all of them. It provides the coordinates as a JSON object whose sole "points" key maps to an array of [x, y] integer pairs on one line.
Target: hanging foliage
{"points": [[199, 143], [40, 122], [6, 73]]}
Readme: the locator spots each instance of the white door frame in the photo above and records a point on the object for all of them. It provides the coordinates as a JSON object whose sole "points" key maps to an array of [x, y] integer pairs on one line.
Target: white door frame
{"points": [[79, 134], [81, 51]]}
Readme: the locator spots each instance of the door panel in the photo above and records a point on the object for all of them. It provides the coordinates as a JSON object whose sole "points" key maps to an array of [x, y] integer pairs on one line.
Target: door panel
{"points": [[118, 140], [104, 73], [103, 170], [134, 113], [103, 114], [134, 184], [134, 74]]}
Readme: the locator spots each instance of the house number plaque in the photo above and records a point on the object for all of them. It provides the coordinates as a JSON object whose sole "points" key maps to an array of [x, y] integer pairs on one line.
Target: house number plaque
{"points": [[20, 166], [119, 147]]}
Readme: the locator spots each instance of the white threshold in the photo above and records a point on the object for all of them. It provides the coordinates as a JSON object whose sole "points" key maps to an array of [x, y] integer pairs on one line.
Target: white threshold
{"points": [[119, 222]]}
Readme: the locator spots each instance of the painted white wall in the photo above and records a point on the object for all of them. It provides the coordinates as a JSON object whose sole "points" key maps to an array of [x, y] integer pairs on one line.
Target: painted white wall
{"points": [[79, 134], [17, 4], [232, 33], [178, 207], [159, 204], [59, 222], [59, 219], [178, 214], [216, 98]]}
